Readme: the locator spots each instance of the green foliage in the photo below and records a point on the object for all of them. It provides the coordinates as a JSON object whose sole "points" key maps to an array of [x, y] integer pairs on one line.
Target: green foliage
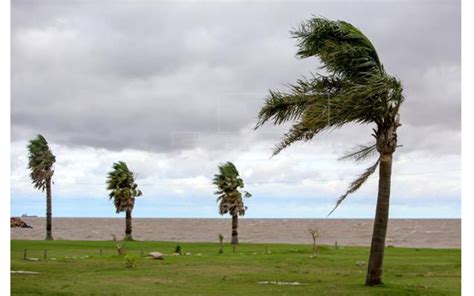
{"points": [[122, 187], [40, 162], [130, 261], [177, 250], [335, 272], [229, 197], [356, 184], [343, 49], [355, 89]]}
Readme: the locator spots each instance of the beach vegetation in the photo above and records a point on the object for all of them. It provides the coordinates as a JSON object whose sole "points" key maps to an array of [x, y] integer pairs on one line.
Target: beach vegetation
{"points": [[408, 271]]}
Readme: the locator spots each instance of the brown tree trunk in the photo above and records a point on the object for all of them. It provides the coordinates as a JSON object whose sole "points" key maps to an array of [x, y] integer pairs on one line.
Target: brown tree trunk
{"points": [[374, 273], [235, 224], [128, 225], [49, 235]]}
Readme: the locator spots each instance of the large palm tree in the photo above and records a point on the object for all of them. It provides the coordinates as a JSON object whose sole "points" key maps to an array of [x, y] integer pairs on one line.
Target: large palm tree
{"points": [[229, 197], [353, 89], [40, 163], [123, 190]]}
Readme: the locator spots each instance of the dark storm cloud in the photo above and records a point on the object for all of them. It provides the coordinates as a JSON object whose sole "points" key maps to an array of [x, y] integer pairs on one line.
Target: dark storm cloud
{"points": [[164, 76]]}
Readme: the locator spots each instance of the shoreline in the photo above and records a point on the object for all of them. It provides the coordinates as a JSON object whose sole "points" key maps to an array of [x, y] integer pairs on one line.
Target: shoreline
{"points": [[415, 233], [220, 218]]}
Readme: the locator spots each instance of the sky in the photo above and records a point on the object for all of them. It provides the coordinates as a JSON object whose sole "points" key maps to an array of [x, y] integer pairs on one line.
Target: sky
{"points": [[174, 89]]}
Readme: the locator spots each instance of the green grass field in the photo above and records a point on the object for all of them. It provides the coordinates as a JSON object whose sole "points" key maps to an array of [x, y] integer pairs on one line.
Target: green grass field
{"points": [[77, 268]]}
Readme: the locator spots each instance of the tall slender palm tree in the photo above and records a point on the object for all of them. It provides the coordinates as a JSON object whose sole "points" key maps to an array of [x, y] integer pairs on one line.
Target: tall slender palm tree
{"points": [[229, 197], [123, 190], [40, 163], [354, 89]]}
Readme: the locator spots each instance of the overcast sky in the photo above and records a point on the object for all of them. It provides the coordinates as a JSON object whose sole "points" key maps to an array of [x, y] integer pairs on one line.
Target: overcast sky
{"points": [[174, 89]]}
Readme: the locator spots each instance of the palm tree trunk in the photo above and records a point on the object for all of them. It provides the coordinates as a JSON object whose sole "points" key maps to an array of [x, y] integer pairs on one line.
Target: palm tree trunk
{"points": [[374, 273], [49, 235], [235, 224], [128, 225]]}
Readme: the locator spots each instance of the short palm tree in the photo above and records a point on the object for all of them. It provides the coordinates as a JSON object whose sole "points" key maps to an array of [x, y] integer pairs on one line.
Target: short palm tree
{"points": [[354, 89], [123, 190], [229, 197], [40, 163]]}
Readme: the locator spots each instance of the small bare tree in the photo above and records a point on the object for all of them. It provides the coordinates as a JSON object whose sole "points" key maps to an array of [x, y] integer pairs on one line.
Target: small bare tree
{"points": [[120, 247], [314, 231]]}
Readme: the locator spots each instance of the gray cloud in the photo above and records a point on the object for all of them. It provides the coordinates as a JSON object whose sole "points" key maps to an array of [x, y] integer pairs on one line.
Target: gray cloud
{"points": [[165, 76]]}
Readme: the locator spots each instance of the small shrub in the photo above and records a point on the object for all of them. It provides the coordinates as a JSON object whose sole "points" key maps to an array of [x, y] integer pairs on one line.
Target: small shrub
{"points": [[177, 250], [130, 262]]}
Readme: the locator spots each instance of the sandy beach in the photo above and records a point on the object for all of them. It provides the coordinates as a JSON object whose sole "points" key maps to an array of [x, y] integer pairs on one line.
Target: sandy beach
{"points": [[422, 233]]}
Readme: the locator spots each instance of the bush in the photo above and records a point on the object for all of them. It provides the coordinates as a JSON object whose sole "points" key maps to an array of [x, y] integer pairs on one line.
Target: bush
{"points": [[130, 262]]}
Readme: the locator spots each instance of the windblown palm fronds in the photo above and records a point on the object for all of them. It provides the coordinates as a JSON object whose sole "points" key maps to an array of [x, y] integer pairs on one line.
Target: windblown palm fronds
{"points": [[40, 162], [356, 184], [229, 197], [356, 88], [122, 187]]}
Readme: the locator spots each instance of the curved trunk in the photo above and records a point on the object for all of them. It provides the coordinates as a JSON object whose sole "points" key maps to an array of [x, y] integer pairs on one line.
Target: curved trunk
{"points": [[128, 225], [235, 224], [374, 273], [49, 234]]}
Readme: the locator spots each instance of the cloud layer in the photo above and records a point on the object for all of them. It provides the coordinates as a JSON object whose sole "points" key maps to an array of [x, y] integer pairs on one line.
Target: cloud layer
{"points": [[175, 89]]}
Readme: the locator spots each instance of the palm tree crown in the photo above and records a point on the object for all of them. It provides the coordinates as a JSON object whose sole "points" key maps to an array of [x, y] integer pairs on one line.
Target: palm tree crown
{"points": [[40, 162], [229, 197], [355, 89], [122, 187]]}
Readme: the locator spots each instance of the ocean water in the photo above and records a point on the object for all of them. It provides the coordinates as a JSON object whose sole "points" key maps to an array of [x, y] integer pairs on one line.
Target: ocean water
{"points": [[429, 233]]}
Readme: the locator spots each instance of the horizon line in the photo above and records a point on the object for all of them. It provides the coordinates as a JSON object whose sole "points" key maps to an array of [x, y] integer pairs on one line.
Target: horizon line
{"points": [[255, 218]]}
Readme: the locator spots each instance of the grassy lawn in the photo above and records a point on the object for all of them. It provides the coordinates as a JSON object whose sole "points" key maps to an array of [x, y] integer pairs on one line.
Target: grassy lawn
{"points": [[79, 269]]}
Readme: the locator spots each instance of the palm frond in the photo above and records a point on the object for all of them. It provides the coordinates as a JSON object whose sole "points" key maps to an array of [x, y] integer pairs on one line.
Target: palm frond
{"points": [[229, 197], [296, 133], [122, 186], [356, 88], [356, 184], [282, 107], [342, 48], [40, 162], [343, 102], [290, 105], [360, 153]]}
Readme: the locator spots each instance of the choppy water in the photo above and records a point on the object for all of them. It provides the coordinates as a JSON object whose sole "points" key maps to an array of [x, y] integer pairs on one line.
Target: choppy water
{"points": [[430, 233]]}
